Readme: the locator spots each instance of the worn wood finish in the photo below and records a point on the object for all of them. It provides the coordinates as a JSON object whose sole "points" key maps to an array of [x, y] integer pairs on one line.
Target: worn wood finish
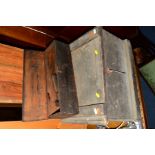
{"points": [[60, 73], [52, 97], [49, 83], [117, 106], [84, 39], [88, 70], [44, 124], [121, 98], [65, 77], [34, 95], [11, 74], [113, 50], [120, 94]]}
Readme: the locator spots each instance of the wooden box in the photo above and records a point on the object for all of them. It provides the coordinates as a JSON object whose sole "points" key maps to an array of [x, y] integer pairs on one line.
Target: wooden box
{"points": [[105, 78]]}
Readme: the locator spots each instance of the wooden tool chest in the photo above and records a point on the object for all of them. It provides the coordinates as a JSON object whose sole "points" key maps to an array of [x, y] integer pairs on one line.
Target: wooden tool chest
{"points": [[92, 80]]}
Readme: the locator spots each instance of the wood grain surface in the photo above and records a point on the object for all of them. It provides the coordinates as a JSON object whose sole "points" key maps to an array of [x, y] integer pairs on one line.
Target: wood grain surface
{"points": [[60, 79], [11, 74], [65, 77], [35, 97], [52, 97]]}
